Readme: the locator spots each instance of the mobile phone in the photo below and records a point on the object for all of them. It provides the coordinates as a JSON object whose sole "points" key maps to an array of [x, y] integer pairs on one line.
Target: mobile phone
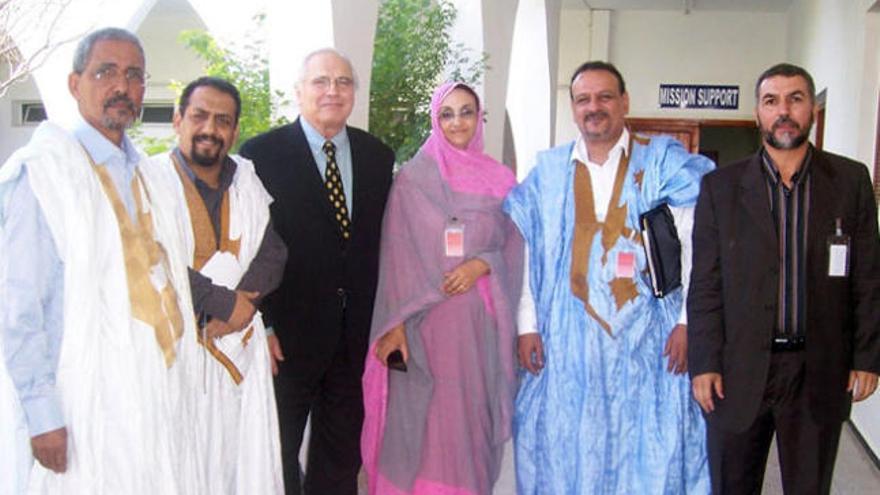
{"points": [[395, 361]]}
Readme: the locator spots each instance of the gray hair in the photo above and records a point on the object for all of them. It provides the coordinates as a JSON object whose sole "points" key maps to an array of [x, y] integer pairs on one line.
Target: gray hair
{"points": [[786, 70], [324, 51], [84, 48]]}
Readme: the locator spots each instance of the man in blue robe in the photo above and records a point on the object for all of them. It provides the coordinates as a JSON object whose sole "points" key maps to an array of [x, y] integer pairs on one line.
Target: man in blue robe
{"points": [[606, 406]]}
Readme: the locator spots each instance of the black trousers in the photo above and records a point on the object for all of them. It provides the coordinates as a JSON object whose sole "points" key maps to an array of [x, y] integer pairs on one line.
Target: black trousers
{"points": [[807, 449], [333, 397]]}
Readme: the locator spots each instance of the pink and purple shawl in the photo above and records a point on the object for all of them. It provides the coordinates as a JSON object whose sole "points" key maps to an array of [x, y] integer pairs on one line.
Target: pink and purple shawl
{"points": [[440, 427]]}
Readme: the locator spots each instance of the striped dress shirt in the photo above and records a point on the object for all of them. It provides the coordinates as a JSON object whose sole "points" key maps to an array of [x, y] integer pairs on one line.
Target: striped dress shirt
{"points": [[790, 208]]}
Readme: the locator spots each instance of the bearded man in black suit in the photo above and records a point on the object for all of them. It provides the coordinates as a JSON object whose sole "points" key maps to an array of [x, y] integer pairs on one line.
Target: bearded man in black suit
{"points": [[784, 302]]}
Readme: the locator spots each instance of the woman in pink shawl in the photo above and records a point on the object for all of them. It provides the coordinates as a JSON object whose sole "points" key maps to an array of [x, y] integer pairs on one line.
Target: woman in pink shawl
{"points": [[449, 279]]}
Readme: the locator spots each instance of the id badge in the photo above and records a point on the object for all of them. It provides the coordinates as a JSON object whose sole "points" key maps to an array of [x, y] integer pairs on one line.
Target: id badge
{"points": [[626, 264], [454, 238], [838, 253]]}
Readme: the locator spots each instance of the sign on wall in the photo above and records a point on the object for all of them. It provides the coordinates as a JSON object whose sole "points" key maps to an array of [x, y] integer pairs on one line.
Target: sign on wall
{"points": [[699, 96]]}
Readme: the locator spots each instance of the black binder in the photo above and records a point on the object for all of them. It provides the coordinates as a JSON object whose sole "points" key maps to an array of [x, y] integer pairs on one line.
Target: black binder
{"points": [[663, 249]]}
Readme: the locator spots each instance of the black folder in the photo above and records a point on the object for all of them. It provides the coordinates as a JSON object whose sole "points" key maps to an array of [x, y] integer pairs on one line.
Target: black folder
{"points": [[663, 249]]}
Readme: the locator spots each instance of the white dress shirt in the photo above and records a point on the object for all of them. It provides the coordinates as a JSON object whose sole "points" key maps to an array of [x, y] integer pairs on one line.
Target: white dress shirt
{"points": [[602, 177]]}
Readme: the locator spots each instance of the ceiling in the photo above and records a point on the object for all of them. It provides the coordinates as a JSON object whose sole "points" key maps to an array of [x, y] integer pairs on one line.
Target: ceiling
{"points": [[682, 5]]}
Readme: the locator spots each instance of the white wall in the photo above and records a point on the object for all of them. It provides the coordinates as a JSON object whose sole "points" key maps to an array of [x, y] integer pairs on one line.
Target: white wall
{"points": [[575, 34], [167, 59], [13, 134], [837, 41], [654, 47], [726, 48], [829, 38]]}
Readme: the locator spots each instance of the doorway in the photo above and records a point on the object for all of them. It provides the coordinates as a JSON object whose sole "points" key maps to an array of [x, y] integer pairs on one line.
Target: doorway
{"points": [[722, 141]]}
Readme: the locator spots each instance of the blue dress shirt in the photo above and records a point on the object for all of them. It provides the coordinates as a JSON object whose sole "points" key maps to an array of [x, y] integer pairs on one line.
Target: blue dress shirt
{"points": [[343, 157], [34, 285]]}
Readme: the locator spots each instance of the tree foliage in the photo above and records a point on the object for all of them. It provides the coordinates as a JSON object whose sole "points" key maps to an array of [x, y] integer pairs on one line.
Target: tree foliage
{"points": [[412, 53], [248, 69], [245, 66]]}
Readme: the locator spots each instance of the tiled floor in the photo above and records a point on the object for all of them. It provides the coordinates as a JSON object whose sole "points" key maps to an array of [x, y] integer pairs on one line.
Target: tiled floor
{"points": [[854, 473]]}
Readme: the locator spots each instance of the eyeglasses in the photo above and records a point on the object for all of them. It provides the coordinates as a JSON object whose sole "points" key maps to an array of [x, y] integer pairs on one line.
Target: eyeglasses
{"points": [[323, 83], [107, 74], [466, 113]]}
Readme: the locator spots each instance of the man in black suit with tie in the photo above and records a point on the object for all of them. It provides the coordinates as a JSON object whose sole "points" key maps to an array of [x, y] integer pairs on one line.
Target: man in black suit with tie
{"points": [[330, 183], [784, 302]]}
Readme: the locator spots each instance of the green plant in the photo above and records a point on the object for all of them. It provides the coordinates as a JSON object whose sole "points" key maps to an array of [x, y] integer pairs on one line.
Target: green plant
{"points": [[413, 50], [149, 144], [243, 65], [247, 68]]}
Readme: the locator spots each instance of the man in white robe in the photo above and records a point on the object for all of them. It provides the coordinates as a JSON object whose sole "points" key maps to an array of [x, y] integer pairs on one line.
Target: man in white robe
{"points": [[236, 257], [96, 310]]}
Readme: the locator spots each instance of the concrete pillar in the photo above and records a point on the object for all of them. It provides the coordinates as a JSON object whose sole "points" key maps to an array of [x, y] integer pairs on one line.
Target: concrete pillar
{"points": [[499, 18], [299, 27], [354, 29], [531, 82]]}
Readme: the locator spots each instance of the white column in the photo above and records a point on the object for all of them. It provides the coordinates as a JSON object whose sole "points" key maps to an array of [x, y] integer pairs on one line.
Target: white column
{"points": [[530, 90], [296, 28], [354, 29], [299, 27], [468, 30], [498, 25]]}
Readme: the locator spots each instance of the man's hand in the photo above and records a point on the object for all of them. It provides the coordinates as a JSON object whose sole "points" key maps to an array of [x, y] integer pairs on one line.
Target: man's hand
{"points": [[393, 340], [861, 384], [677, 350], [275, 353], [244, 309], [464, 276], [217, 328], [704, 385], [531, 352], [50, 449]]}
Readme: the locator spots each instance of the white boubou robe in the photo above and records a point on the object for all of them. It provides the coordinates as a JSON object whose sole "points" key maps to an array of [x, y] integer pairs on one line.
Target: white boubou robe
{"points": [[128, 415], [238, 422]]}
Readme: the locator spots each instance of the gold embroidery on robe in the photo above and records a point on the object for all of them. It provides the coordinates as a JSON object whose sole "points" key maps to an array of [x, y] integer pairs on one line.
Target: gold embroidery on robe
{"points": [[638, 177], [585, 229], [144, 258], [205, 247]]}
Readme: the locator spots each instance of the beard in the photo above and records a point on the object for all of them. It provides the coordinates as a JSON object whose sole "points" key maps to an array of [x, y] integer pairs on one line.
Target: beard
{"points": [[208, 158], [596, 117], [788, 141], [119, 121]]}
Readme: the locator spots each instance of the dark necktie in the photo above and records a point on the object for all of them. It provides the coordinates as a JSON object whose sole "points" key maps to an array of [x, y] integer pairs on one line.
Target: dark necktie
{"points": [[335, 191]]}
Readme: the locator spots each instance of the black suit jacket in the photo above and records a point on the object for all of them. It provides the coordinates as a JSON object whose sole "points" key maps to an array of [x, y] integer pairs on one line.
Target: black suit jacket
{"points": [[733, 291], [321, 276]]}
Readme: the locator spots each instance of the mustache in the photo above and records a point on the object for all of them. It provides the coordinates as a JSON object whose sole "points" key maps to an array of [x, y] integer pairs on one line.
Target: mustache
{"points": [[120, 98], [595, 115], [208, 137], [784, 120]]}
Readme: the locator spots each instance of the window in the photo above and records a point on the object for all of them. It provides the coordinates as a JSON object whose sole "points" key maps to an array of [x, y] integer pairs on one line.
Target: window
{"points": [[31, 113], [157, 113]]}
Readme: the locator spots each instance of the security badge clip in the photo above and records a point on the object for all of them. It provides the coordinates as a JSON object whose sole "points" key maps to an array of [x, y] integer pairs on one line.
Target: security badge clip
{"points": [[838, 252]]}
